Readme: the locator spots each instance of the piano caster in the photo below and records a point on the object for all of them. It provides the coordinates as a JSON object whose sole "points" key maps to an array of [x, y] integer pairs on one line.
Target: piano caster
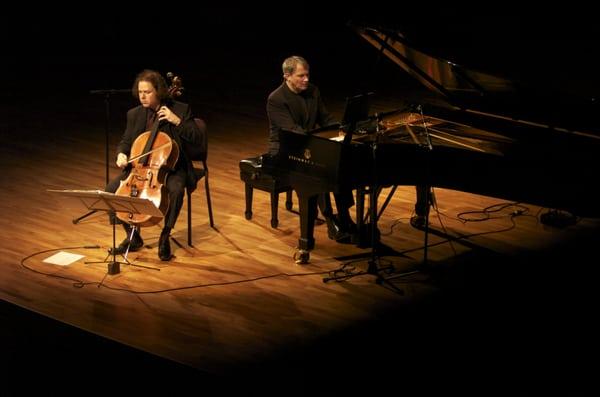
{"points": [[301, 257]]}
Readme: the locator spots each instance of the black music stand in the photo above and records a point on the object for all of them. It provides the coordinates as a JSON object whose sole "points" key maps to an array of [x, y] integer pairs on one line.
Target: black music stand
{"points": [[98, 200], [373, 264], [356, 110]]}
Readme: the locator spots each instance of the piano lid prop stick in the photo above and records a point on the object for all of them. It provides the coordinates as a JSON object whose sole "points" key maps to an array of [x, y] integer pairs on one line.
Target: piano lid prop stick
{"points": [[412, 135]]}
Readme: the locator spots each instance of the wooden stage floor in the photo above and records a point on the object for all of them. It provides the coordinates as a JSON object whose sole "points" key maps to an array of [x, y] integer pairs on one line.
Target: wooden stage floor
{"points": [[499, 297]]}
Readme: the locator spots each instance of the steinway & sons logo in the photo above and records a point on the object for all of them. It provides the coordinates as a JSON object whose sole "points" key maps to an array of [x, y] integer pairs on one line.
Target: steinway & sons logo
{"points": [[305, 159]]}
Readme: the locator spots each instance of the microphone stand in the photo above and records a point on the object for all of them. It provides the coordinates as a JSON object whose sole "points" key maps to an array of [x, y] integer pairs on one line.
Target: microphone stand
{"points": [[428, 185], [428, 197], [107, 95], [373, 266], [373, 193]]}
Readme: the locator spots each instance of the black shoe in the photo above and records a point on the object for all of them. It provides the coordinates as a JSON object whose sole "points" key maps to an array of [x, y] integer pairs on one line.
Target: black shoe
{"points": [[334, 232], [164, 247], [136, 244], [418, 221]]}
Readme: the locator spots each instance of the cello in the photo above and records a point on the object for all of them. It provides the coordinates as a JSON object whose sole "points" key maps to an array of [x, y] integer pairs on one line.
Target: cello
{"points": [[153, 154]]}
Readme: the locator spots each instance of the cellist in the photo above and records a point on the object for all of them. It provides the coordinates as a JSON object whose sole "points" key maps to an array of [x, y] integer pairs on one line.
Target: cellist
{"points": [[177, 121]]}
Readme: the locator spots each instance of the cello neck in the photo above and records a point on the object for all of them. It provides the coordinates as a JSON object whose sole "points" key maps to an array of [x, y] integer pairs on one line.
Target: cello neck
{"points": [[148, 147]]}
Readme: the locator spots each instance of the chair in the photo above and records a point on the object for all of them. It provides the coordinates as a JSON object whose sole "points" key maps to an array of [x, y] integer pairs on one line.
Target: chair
{"points": [[199, 154], [253, 177]]}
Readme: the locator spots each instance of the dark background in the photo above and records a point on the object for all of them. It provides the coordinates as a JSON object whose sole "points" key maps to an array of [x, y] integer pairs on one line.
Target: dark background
{"points": [[103, 45]]}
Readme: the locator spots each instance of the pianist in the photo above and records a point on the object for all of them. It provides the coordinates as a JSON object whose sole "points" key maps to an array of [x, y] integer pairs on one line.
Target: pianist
{"points": [[296, 105]]}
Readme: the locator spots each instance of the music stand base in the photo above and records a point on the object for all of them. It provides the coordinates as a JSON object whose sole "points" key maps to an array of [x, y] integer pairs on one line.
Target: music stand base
{"points": [[142, 266], [76, 220], [114, 268], [374, 269]]}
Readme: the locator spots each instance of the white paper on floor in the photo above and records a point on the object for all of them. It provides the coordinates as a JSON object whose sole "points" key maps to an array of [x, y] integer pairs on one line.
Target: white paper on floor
{"points": [[63, 258]]}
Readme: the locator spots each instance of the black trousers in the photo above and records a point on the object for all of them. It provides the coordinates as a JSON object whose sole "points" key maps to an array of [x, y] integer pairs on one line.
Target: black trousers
{"points": [[175, 185], [424, 198], [343, 202]]}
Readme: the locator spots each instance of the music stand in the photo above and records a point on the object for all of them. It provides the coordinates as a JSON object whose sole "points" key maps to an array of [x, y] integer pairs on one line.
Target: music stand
{"points": [[356, 109], [98, 200]]}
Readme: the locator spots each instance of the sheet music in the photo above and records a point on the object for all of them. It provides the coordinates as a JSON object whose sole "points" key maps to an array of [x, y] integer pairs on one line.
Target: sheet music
{"points": [[105, 201]]}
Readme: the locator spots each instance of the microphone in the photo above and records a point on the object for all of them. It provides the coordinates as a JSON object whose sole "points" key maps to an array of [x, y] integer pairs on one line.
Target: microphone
{"points": [[427, 137], [414, 107], [378, 120]]}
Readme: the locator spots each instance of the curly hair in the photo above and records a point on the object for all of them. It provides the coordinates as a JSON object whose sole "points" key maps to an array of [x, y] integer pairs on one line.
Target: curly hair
{"points": [[154, 78]]}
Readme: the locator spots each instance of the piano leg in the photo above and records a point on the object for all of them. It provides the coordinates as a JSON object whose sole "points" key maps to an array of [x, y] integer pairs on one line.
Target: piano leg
{"points": [[308, 213]]}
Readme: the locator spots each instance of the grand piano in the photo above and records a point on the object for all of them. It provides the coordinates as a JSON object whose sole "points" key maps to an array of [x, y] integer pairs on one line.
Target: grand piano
{"points": [[485, 134]]}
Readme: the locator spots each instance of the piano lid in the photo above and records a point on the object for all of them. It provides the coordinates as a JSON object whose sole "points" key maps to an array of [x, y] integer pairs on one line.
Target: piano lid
{"points": [[532, 98]]}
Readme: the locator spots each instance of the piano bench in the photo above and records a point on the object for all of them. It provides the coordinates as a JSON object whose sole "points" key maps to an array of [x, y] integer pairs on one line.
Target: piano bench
{"points": [[253, 177]]}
